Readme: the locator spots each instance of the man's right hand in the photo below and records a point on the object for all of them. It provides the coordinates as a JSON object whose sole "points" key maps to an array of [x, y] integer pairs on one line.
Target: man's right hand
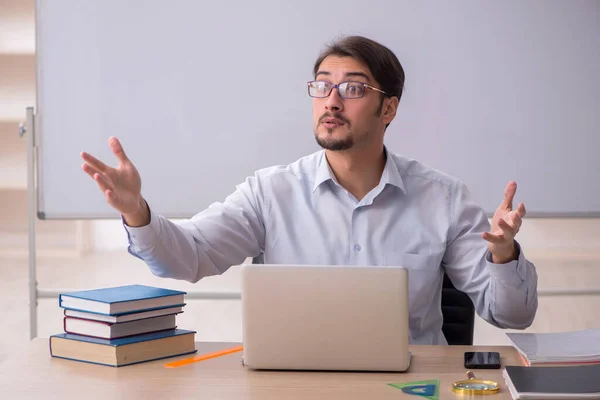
{"points": [[122, 186]]}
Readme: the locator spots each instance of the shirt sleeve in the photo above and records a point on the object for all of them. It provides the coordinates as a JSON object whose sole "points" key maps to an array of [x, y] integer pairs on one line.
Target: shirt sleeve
{"points": [[223, 235], [505, 295]]}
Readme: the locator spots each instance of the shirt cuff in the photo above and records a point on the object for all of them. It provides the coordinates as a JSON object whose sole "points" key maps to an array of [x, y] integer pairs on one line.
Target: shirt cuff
{"points": [[145, 236], [510, 273]]}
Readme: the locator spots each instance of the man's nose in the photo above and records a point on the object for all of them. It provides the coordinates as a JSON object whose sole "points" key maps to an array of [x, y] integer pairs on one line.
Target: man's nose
{"points": [[334, 101]]}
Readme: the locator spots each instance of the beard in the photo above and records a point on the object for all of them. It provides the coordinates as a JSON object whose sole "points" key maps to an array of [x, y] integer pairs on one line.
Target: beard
{"points": [[328, 142]]}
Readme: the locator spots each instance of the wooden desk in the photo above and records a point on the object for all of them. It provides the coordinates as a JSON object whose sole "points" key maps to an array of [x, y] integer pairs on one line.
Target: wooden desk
{"points": [[36, 375]]}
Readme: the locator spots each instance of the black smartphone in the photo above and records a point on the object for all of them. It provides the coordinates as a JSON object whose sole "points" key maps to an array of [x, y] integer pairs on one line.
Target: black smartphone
{"points": [[482, 360]]}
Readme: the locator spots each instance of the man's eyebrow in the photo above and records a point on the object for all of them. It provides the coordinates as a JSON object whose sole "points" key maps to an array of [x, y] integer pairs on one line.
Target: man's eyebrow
{"points": [[352, 74], [357, 73]]}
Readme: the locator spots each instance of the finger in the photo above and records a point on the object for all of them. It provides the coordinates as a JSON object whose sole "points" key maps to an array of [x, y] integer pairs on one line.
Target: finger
{"points": [[103, 184], [509, 195], [521, 210], [508, 230], [492, 238], [94, 162], [88, 169], [111, 198], [515, 221], [117, 149]]}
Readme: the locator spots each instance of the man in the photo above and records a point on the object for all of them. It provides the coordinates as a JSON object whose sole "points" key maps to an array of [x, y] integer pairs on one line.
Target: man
{"points": [[355, 202]]}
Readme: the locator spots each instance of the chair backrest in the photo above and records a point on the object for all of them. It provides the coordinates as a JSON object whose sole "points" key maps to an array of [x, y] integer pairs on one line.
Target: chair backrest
{"points": [[458, 313]]}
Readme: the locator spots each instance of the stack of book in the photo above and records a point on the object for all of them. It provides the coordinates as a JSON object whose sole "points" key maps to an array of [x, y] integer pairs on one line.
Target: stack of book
{"points": [[563, 365], [122, 325], [557, 349]]}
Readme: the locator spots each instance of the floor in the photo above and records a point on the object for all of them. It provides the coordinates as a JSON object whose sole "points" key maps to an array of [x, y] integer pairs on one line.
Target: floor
{"points": [[220, 320]]}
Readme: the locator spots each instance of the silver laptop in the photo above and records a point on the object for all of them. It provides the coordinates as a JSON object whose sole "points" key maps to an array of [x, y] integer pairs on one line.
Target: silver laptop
{"points": [[343, 318]]}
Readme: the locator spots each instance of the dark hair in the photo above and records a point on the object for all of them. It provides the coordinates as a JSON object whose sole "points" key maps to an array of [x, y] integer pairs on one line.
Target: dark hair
{"points": [[380, 60]]}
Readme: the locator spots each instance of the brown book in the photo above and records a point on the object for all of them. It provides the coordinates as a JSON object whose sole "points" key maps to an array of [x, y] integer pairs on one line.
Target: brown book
{"points": [[124, 351]]}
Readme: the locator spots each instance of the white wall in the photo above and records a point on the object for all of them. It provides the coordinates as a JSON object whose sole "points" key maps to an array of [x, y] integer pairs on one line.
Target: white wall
{"points": [[542, 238]]}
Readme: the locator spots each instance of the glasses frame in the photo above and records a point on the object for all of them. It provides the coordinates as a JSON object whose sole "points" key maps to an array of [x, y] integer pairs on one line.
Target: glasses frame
{"points": [[337, 86]]}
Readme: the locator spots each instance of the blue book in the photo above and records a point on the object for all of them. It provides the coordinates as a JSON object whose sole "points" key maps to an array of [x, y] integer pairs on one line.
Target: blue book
{"points": [[121, 299], [123, 351]]}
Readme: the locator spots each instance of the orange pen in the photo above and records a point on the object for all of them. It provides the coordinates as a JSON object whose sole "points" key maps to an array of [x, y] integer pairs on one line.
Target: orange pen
{"points": [[203, 357]]}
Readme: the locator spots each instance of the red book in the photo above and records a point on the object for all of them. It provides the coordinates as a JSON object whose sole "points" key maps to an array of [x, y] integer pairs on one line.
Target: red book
{"points": [[107, 330]]}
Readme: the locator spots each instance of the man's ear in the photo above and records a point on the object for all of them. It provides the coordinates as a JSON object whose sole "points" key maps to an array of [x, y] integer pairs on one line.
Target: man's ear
{"points": [[390, 106]]}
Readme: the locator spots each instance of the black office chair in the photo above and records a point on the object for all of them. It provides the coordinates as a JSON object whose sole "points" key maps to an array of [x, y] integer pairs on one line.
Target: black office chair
{"points": [[459, 315]]}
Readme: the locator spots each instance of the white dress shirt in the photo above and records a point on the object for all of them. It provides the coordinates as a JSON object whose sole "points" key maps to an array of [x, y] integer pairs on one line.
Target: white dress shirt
{"points": [[415, 217]]}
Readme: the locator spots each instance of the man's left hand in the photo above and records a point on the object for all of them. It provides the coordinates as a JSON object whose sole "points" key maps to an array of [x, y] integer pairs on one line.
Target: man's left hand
{"points": [[505, 225]]}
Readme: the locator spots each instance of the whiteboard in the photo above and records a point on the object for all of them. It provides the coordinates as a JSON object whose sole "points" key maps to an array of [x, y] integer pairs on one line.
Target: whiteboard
{"points": [[495, 91]]}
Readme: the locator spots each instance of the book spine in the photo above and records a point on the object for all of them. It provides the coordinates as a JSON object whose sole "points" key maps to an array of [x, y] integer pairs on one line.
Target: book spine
{"points": [[121, 337], [95, 321]]}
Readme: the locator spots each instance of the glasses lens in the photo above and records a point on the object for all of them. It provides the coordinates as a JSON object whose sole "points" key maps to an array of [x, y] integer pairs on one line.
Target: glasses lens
{"points": [[319, 89], [351, 90]]}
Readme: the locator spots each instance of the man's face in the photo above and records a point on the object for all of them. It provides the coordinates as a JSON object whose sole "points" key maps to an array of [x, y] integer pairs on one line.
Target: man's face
{"points": [[342, 124]]}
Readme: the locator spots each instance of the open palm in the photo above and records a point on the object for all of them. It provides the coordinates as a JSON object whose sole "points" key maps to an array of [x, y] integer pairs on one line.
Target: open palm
{"points": [[122, 185], [505, 225]]}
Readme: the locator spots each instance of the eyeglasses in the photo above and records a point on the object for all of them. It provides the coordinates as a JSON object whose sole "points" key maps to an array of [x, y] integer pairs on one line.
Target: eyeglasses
{"points": [[347, 90]]}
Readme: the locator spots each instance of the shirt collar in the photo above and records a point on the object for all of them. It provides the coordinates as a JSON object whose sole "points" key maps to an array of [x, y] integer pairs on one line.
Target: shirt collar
{"points": [[390, 174], [324, 172]]}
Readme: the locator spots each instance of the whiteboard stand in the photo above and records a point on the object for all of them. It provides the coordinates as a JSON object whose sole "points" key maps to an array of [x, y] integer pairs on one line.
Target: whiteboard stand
{"points": [[32, 210]]}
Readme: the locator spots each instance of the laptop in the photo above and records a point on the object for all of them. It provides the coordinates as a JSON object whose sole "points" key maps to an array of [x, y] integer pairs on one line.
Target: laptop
{"points": [[325, 317]]}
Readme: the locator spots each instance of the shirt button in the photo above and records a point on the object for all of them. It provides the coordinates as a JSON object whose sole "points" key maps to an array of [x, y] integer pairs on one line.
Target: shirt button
{"points": [[357, 247]]}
